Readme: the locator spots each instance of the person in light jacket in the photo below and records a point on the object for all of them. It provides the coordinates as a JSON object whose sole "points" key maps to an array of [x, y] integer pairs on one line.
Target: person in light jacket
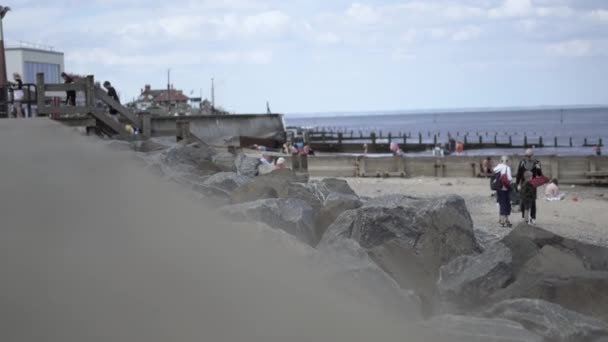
{"points": [[503, 195]]}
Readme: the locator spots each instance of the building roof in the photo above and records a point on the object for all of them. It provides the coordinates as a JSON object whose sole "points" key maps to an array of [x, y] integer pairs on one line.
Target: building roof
{"points": [[162, 95]]}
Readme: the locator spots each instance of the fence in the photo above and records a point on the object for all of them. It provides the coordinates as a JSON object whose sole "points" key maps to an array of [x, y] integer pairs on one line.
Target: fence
{"points": [[570, 170], [349, 142]]}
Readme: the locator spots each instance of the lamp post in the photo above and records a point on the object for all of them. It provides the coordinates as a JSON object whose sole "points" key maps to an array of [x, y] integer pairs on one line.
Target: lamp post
{"points": [[3, 78]]}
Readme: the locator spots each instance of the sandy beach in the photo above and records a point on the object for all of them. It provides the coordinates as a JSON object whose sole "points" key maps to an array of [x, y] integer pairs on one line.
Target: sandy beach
{"points": [[585, 219]]}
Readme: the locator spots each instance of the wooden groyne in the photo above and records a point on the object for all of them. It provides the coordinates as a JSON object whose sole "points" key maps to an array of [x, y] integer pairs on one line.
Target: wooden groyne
{"points": [[377, 142], [568, 169]]}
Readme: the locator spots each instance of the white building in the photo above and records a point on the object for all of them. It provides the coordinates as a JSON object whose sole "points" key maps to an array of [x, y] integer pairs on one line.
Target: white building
{"points": [[28, 61]]}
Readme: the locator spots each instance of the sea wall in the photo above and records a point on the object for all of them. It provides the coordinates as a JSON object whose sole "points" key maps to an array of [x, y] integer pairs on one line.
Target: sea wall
{"points": [[569, 169], [218, 129]]}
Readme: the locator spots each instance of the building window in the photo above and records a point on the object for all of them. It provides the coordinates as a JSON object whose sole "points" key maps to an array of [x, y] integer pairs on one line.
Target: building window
{"points": [[50, 71]]}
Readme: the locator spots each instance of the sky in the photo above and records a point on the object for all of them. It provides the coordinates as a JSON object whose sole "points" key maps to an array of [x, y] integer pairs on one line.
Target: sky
{"points": [[306, 56]]}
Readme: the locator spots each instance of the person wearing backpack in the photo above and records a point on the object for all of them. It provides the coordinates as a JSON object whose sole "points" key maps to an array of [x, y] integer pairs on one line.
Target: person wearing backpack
{"points": [[501, 181]]}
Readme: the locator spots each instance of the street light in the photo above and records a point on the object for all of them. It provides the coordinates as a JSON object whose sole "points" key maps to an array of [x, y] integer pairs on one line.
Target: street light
{"points": [[3, 78]]}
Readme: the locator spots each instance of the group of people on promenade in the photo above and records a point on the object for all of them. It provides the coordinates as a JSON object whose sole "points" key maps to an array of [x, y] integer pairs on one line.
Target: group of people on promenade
{"points": [[19, 95], [529, 177]]}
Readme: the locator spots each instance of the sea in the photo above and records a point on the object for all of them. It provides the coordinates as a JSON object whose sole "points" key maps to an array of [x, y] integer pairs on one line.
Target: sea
{"points": [[579, 124]]}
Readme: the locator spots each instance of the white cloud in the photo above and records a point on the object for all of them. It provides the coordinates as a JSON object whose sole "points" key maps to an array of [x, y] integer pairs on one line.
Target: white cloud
{"points": [[363, 14], [600, 14], [512, 8], [466, 33], [559, 11], [572, 48], [403, 56], [327, 38], [527, 25]]}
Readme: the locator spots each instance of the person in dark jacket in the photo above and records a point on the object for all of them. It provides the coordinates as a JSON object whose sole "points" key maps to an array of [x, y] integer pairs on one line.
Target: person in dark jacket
{"points": [[532, 165], [70, 95], [112, 93], [528, 197]]}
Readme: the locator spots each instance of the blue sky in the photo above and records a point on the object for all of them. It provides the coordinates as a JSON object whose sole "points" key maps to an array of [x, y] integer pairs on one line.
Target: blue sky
{"points": [[320, 56]]}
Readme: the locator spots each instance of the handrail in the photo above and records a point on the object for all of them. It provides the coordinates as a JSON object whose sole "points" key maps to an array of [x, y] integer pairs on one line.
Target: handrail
{"points": [[93, 95]]}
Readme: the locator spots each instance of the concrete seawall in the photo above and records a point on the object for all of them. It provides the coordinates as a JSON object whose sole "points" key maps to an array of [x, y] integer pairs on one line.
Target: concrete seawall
{"points": [[216, 129], [569, 169]]}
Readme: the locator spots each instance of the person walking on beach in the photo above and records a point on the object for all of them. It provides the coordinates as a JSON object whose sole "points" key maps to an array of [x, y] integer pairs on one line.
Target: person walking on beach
{"points": [[528, 197], [532, 165], [113, 94], [503, 194], [17, 95], [70, 95]]}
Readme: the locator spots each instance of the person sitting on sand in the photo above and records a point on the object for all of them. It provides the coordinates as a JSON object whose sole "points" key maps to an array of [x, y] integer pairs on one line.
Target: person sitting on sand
{"points": [[265, 160], [552, 191], [459, 148], [280, 164], [395, 149], [487, 167]]}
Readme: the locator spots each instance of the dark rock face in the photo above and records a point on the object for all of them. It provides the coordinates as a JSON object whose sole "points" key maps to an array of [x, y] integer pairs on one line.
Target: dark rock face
{"points": [[468, 280], [225, 161], [246, 166], [475, 329], [560, 276], [334, 205], [227, 181], [549, 320], [291, 215], [304, 193], [408, 238]]}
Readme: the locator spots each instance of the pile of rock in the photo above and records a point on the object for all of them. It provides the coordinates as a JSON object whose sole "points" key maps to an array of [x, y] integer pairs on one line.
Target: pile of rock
{"points": [[530, 285]]}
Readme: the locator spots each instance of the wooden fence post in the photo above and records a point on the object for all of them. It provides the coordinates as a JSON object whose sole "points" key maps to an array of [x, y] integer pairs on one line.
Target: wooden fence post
{"points": [[570, 141], [585, 143], [525, 141], [419, 138], [510, 141], [480, 139], [389, 138], [146, 124], [540, 142], [340, 138], [555, 142], [373, 136], [40, 93]]}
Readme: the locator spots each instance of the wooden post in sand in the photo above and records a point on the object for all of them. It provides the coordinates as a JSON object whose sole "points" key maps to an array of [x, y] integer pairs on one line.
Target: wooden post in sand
{"points": [[389, 138], [339, 138], [540, 141], [419, 138], [525, 141], [480, 139], [570, 141], [373, 136], [495, 140], [585, 143], [435, 139], [600, 142], [554, 141], [510, 141]]}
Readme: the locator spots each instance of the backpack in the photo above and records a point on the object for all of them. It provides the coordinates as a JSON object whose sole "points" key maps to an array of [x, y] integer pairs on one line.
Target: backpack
{"points": [[495, 182]]}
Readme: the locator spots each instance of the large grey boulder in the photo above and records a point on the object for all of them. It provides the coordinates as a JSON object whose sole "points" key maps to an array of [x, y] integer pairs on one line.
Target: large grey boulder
{"points": [[191, 154], [246, 165], [335, 204], [225, 161], [147, 146], [193, 158], [526, 241], [212, 196], [409, 238], [469, 279], [455, 328], [227, 181], [348, 262], [560, 276], [303, 192], [550, 320], [291, 215], [252, 192], [324, 187]]}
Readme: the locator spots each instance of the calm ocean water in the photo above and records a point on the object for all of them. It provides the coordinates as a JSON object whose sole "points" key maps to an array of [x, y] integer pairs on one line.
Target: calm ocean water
{"points": [[578, 124]]}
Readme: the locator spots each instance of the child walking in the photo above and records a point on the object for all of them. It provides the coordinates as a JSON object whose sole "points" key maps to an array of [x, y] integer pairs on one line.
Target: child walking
{"points": [[528, 197]]}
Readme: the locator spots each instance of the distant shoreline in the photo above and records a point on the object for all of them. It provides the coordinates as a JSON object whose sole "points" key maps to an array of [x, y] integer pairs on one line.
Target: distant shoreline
{"points": [[443, 111]]}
